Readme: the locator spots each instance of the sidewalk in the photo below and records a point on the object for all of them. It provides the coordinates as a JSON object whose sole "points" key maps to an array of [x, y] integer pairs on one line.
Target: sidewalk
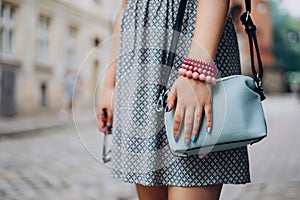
{"points": [[20, 125], [56, 166], [275, 161]]}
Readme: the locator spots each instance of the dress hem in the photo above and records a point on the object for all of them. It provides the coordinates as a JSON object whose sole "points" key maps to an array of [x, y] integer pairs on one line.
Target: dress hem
{"points": [[180, 185]]}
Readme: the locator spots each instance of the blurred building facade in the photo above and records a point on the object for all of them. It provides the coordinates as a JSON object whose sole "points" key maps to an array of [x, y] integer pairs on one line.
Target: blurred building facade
{"points": [[261, 15], [40, 40], [274, 79]]}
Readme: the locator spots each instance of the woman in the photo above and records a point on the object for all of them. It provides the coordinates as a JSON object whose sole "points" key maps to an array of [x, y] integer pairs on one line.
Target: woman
{"points": [[133, 83]]}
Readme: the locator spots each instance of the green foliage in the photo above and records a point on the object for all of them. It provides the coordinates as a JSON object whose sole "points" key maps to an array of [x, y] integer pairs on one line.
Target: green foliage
{"points": [[286, 32]]}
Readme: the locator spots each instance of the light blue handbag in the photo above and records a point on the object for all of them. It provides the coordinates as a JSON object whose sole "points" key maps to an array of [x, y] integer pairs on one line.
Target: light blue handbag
{"points": [[238, 117]]}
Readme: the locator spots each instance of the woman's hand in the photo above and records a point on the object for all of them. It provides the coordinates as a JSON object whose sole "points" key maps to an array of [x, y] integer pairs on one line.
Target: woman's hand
{"points": [[105, 110], [193, 98]]}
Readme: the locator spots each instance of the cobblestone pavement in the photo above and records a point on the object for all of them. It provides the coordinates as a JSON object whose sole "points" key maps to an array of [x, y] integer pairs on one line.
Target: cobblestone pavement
{"points": [[55, 164], [274, 161]]}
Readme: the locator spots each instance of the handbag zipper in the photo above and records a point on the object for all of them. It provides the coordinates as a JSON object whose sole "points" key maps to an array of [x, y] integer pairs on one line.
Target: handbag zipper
{"points": [[160, 104]]}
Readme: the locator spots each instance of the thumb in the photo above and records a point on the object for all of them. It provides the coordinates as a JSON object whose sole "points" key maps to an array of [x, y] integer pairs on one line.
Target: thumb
{"points": [[171, 100]]}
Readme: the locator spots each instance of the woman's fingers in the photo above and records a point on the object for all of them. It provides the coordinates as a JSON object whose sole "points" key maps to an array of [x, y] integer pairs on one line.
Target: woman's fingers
{"points": [[191, 99], [208, 116], [101, 119], [197, 122], [171, 101], [105, 120], [178, 116], [109, 121], [188, 124], [105, 111]]}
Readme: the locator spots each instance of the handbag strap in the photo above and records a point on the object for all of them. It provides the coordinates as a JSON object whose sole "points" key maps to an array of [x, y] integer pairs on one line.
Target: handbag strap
{"points": [[250, 29], [161, 103], [176, 33]]}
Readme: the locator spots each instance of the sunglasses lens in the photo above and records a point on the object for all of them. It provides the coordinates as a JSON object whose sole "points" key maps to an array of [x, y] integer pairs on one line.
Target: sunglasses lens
{"points": [[105, 153]]}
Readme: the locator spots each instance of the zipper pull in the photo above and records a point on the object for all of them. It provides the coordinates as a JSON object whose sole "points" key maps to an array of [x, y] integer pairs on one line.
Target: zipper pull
{"points": [[161, 100]]}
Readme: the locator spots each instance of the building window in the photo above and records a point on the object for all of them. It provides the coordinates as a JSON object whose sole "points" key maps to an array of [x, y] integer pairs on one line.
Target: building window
{"points": [[71, 47], [7, 29], [43, 89], [43, 40]]}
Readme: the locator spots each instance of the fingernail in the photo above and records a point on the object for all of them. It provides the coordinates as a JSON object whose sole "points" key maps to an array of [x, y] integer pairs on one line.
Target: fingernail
{"points": [[176, 138], [187, 142], [108, 128], [208, 129], [167, 108], [194, 138]]}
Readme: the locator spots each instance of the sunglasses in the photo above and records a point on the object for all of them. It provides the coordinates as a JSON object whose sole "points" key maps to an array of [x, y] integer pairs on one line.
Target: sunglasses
{"points": [[106, 157]]}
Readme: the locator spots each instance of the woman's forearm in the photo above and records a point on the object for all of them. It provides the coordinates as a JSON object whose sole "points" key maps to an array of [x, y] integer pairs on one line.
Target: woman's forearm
{"points": [[110, 76], [210, 21]]}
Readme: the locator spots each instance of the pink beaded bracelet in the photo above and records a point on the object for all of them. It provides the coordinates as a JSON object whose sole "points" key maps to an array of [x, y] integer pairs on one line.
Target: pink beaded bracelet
{"points": [[198, 70]]}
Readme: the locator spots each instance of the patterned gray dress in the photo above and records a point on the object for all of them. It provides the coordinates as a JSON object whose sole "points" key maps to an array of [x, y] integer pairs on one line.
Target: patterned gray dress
{"points": [[140, 152]]}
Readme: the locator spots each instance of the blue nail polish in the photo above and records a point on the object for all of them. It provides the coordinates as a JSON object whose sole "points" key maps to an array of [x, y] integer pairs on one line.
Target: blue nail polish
{"points": [[167, 108], [187, 142], [208, 130], [176, 138], [108, 128], [194, 138]]}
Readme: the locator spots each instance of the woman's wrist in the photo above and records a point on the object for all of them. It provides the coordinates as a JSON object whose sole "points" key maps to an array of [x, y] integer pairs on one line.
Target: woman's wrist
{"points": [[198, 70], [198, 52]]}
